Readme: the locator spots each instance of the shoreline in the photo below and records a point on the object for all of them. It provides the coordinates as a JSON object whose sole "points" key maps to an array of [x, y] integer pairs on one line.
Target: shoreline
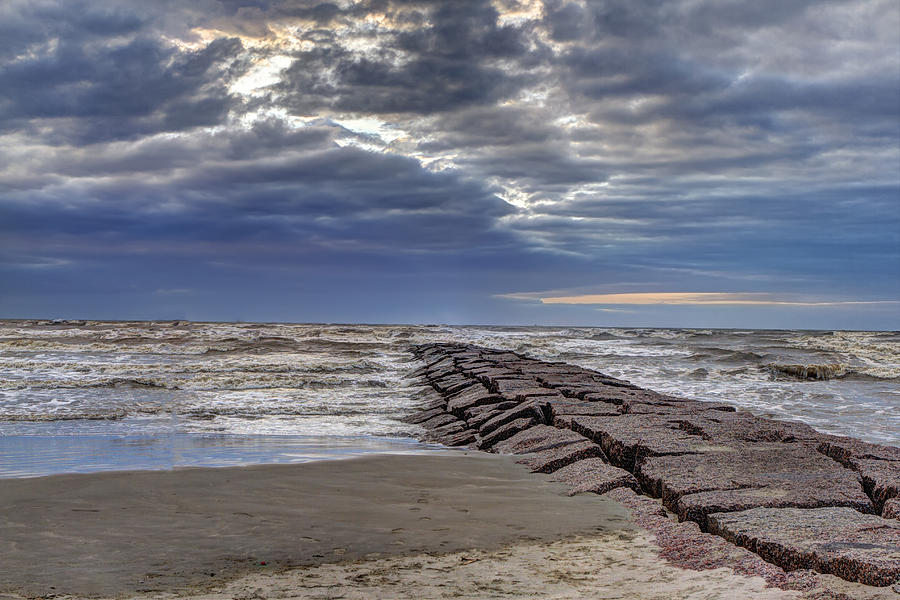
{"points": [[31, 456], [113, 534], [403, 526]]}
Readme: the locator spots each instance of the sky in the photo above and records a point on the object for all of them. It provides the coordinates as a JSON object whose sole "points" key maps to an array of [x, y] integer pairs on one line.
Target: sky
{"points": [[680, 163]]}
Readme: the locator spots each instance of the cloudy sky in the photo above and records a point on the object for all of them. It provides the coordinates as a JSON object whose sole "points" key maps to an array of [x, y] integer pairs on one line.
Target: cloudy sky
{"points": [[715, 163]]}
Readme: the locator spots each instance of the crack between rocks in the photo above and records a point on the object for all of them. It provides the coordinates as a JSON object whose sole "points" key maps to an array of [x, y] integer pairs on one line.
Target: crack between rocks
{"points": [[869, 490]]}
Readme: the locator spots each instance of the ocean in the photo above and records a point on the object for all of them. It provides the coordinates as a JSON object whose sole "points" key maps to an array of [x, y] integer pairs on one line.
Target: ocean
{"points": [[85, 396]]}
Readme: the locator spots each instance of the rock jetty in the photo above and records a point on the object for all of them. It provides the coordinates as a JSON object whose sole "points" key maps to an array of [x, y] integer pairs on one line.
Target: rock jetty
{"points": [[794, 497]]}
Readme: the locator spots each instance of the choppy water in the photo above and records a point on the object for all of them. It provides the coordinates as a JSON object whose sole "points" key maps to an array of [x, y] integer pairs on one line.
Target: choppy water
{"points": [[86, 396]]}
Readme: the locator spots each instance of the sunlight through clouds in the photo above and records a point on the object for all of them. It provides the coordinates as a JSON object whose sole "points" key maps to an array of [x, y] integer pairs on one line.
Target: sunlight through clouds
{"points": [[500, 145]]}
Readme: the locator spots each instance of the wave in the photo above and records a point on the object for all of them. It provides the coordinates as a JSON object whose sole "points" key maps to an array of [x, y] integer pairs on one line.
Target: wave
{"points": [[822, 371], [211, 382], [184, 369], [259, 345], [258, 412], [603, 336], [833, 371], [871, 347], [91, 345], [700, 373], [727, 354], [133, 382], [667, 334], [174, 345], [106, 382], [114, 414]]}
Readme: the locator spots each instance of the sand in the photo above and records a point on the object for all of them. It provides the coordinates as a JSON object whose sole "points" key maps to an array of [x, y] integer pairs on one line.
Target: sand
{"points": [[455, 524], [604, 566]]}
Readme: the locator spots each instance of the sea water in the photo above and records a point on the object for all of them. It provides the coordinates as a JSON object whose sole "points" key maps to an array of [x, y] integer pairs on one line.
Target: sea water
{"points": [[81, 396]]}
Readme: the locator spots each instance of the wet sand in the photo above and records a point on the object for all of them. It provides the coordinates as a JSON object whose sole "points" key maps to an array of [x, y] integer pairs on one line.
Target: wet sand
{"points": [[385, 526]]}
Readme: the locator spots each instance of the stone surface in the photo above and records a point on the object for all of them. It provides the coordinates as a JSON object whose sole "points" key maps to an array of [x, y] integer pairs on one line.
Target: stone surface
{"points": [[538, 438], [465, 437], [505, 432], [674, 407], [684, 545], [614, 382], [480, 419], [545, 394], [841, 541], [470, 398], [498, 373], [441, 372], [423, 415], [439, 362], [452, 384], [438, 401], [510, 388], [476, 372], [477, 411], [468, 365], [501, 356], [628, 439], [602, 387], [548, 461], [615, 395], [880, 478], [576, 390], [582, 407], [439, 420], [701, 458], [745, 476], [891, 509], [594, 475], [529, 410], [744, 427], [817, 493], [847, 450], [446, 430], [583, 378], [542, 370], [565, 421]]}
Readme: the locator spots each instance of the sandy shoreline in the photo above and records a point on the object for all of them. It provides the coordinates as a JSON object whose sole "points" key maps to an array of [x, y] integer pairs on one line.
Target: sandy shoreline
{"points": [[385, 526], [611, 565]]}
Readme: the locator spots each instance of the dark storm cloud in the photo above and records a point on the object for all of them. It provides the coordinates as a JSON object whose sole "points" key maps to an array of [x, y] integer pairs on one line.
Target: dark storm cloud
{"points": [[450, 61], [500, 146], [24, 24], [615, 71], [314, 194], [102, 75], [601, 19], [514, 143], [491, 126]]}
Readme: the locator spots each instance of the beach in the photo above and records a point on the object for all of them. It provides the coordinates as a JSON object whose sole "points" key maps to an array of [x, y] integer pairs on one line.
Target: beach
{"points": [[453, 525], [241, 461]]}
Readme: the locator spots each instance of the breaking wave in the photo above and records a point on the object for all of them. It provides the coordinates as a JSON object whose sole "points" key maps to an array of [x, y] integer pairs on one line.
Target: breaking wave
{"points": [[105, 382], [832, 371], [294, 377], [206, 382], [825, 371], [114, 414], [728, 355]]}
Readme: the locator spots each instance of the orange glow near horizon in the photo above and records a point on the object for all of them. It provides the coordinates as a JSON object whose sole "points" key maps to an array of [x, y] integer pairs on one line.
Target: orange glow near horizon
{"points": [[695, 298]]}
